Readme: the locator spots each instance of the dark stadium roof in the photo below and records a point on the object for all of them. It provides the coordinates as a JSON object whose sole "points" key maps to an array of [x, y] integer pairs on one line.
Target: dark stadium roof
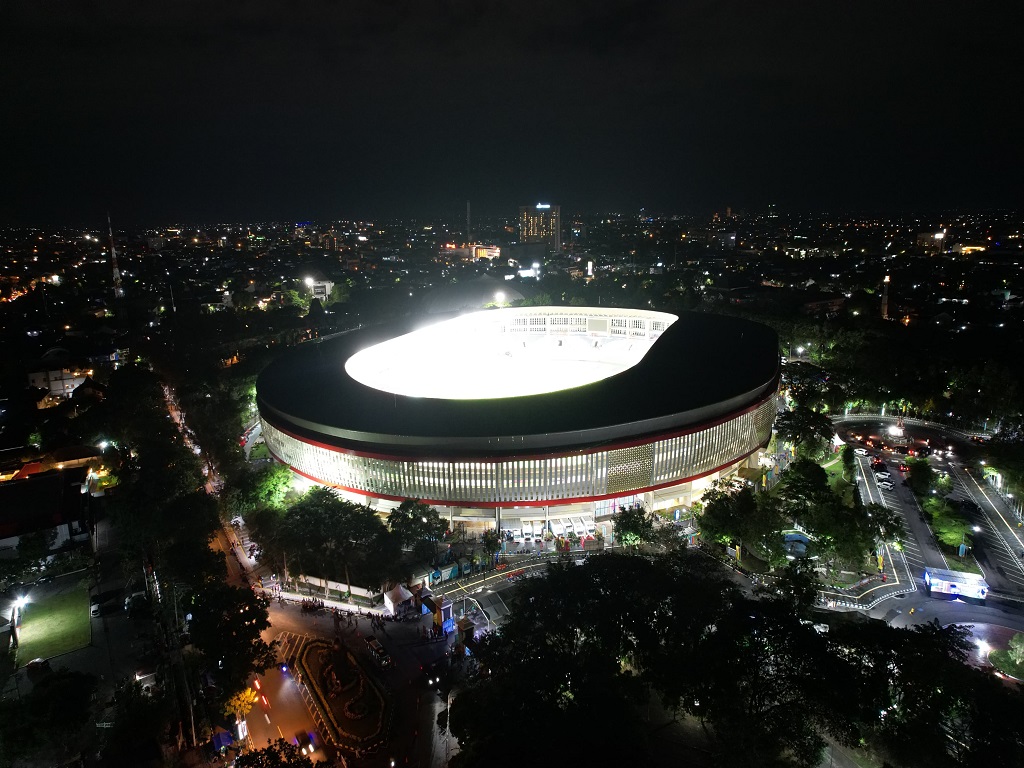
{"points": [[703, 368]]}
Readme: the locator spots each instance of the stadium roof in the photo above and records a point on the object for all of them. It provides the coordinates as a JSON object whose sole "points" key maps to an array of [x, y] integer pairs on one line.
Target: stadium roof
{"points": [[702, 368]]}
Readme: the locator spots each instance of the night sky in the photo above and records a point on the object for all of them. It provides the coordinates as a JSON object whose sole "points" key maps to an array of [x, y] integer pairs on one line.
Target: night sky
{"points": [[220, 111]]}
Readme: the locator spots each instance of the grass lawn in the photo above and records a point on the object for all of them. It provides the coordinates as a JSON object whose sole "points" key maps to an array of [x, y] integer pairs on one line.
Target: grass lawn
{"points": [[1001, 660], [837, 482], [56, 622], [967, 565]]}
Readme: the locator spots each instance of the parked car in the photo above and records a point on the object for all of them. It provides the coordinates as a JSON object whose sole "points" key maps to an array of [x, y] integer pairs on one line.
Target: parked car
{"points": [[136, 603], [882, 475], [861, 451], [94, 606], [886, 485], [904, 468]]}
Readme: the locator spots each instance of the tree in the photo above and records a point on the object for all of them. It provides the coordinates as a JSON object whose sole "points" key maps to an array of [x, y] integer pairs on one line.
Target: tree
{"points": [[633, 526], [798, 585], [340, 291], [57, 698], [577, 651], [804, 488], [920, 475], [806, 383], [733, 512], [277, 754], [950, 527], [491, 543], [418, 526], [755, 683], [240, 703], [807, 429], [849, 459], [1016, 649], [227, 624], [326, 530], [140, 721], [888, 522]]}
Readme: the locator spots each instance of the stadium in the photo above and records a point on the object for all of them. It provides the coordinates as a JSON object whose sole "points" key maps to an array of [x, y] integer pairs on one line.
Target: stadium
{"points": [[533, 418]]}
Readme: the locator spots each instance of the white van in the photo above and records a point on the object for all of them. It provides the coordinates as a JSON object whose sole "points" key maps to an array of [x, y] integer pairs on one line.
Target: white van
{"points": [[557, 528], [591, 528], [569, 527], [527, 529]]}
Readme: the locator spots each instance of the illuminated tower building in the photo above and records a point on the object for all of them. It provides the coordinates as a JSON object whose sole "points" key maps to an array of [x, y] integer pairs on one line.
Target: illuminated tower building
{"points": [[885, 298], [541, 223]]}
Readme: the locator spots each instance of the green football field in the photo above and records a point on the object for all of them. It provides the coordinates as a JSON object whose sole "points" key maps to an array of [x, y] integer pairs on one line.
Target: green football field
{"points": [[55, 622]]}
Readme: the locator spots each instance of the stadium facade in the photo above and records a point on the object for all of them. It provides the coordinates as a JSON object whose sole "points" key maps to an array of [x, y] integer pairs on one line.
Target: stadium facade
{"points": [[526, 415]]}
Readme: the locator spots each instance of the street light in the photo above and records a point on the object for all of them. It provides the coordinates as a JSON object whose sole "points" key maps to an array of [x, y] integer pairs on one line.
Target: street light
{"points": [[963, 540], [499, 298]]}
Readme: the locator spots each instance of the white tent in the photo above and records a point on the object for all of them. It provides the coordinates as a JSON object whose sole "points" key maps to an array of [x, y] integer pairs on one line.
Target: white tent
{"points": [[395, 597]]}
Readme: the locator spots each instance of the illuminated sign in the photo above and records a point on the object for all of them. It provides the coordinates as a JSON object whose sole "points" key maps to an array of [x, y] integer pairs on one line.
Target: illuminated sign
{"points": [[542, 206]]}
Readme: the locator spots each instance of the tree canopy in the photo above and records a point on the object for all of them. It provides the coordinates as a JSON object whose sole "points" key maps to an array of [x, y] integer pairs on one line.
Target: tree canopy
{"points": [[633, 526], [767, 687], [277, 754], [807, 429], [226, 626]]}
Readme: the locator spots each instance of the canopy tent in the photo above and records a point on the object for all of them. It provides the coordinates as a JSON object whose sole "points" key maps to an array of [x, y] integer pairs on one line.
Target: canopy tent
{"points": [[222, 739], [395, 597]]}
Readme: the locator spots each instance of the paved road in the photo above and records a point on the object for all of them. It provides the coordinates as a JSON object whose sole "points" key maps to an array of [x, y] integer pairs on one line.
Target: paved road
{"points": [[999, 544], [280, 712], [994, 545]]}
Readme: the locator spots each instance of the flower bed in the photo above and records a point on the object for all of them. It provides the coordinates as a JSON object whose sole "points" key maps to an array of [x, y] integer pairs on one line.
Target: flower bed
{"points": [[355, 711]]}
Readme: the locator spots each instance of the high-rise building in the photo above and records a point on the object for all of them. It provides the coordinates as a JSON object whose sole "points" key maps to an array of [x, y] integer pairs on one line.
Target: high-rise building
{"points": [[541, 223]]}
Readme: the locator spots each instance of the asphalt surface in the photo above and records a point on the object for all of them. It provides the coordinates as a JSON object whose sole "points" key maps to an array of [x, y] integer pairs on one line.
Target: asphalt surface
{"points": [[994, 546]]}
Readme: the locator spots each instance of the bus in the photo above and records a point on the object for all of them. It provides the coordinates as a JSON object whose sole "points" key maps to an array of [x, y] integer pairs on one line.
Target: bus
{"points": [[955, 584]]}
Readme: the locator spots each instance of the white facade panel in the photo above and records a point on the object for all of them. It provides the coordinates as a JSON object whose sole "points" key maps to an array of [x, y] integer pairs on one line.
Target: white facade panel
{"points": [[556, 479]]}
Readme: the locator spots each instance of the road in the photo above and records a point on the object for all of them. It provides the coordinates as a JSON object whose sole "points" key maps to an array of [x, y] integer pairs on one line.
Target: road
{"points": [[998, 545], [281, 712], [994, 546]]}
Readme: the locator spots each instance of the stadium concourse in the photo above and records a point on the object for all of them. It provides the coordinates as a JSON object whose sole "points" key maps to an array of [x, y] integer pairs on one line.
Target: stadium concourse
{"points": [[533, 418]]}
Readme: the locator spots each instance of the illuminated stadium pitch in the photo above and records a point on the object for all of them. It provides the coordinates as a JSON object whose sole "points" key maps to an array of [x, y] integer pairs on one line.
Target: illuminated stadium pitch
{"points": [[474, 357]]}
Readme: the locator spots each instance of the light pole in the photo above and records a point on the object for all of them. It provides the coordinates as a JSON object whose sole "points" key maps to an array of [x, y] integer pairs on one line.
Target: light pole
{"points": [[963, 541]]}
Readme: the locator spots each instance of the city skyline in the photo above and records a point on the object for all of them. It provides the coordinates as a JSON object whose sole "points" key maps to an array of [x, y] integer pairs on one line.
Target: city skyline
{"points": [[266, 112]]}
